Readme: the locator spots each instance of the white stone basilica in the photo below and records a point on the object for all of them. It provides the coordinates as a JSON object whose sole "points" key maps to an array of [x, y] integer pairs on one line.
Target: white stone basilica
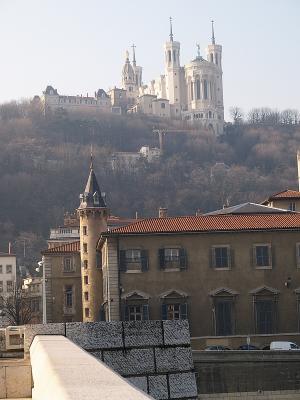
{"points": [[193, 92]]}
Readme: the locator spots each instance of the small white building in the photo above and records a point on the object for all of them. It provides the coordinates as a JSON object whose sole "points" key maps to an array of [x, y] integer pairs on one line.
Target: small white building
{"points": [[8, 273]]}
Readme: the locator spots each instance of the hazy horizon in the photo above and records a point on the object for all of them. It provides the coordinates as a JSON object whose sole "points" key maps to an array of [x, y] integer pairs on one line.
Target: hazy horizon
{"points": [[78, 48]]}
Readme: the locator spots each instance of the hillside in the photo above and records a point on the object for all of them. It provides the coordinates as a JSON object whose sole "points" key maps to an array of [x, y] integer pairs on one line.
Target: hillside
{"points": [[44, 165]]}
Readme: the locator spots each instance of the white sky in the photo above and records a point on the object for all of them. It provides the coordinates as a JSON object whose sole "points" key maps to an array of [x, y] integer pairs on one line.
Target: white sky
{"points": [[78, 46]]}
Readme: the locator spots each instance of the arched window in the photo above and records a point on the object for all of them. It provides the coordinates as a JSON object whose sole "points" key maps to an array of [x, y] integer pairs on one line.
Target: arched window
{"points": [[192, 91], [174, 56], [217, 61], [169, 56], [205, 89], [209, 114], [211, 57], [198, 89]]}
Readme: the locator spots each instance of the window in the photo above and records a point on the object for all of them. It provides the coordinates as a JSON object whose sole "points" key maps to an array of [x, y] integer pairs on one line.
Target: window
{"points": [[1, 269], [1, 286], [262, 256], [169, 56], [68, 296], [163, 105], [211, 57], [133, 260], [9, 269], [85, 264], [86, 296], [174, 311], [221, 257], [292, 206], [171, 255], [9, 286], [68, 265], [96, 198], [84, 230], [264, 315], [217, 61], [172, 258], [205, 89], [298, 255], [223, 317], [86, 279], [198, 89], [133, 256], [86, 312], [135, 312], [85, 247]]}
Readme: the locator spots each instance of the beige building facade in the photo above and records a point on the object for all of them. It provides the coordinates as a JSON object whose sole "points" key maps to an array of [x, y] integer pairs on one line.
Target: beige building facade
{"points": [[227, 274]]}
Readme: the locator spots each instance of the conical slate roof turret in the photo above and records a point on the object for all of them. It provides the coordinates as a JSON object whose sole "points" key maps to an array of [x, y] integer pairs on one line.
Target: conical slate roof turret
{"points": [[92, 196]]}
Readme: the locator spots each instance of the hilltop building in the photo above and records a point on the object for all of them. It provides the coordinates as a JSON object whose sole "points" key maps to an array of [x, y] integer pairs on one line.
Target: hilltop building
{"points": [[192, 92]]}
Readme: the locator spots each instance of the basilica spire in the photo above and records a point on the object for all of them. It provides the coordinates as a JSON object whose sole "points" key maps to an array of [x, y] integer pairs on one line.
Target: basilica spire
{"points": [[171, 30], [213, 41], [133, 55]]}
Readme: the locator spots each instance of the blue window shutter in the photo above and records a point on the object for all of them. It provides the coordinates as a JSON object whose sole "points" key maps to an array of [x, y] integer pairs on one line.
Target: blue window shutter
{"points": [[164, 314], [161, 258], [144, 260], [122, 260], [183, 311], [145, 312], [182, 259]]}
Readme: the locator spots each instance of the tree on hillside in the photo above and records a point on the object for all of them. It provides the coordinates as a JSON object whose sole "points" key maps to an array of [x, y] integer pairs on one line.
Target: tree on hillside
{"points": [[237, 115]]}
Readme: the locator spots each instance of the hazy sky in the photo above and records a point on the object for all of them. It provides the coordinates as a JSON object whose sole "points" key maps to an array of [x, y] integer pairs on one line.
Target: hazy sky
{"points": [[79, 46]]}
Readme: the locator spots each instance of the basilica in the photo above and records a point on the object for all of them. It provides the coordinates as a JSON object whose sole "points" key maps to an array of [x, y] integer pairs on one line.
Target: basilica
{"points": [[192, 92]]}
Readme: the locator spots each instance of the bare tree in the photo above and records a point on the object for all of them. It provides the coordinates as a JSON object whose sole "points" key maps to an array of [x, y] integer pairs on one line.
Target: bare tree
{"points": [[16, 307], [237, 115]]}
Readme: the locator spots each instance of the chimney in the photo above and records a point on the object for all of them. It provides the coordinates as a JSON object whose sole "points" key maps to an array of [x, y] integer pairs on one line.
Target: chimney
{"points": [[9, 248], [298, 165], [162, 212], [198, 212]]}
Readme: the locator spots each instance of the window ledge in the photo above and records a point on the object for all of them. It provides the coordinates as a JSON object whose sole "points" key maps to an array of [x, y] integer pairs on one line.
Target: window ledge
{"points": [[171, 270], [222, 269], [134, 272], [264, 267]]}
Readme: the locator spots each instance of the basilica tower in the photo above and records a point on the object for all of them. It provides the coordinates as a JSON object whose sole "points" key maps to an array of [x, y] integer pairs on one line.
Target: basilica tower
{"points": [[173, 72], [214, 55], [93, 215]]}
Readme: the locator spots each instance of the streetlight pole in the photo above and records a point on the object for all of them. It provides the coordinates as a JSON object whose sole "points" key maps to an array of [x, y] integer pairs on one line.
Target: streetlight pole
{"points": [[42, 265]]}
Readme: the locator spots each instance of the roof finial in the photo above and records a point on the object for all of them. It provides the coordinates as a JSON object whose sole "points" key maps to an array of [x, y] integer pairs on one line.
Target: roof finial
{"points": [[213, 41], [171, 30], [198, 50], [133, 51], [92, 164]]}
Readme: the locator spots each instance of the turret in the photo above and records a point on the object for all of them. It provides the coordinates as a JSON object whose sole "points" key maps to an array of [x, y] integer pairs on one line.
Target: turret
{"points": [[93, 215]]}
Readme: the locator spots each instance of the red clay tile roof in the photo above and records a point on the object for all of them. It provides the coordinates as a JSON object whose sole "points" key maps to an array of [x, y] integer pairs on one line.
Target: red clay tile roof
{"points": [[285, 194], [73, 247], [208, 223]]}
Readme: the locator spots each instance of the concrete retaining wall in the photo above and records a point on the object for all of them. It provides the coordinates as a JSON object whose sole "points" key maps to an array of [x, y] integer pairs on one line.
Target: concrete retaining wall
{"points": [[246, 371], [15, 379], [155, 356], [269, 395]]}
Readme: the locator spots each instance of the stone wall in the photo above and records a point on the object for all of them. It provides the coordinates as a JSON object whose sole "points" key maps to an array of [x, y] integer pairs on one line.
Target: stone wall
{"points": [[155, 356], [246, 371]]}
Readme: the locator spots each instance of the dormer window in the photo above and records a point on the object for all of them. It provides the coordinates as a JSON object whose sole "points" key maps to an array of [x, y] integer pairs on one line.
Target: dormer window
{"points": [[96, 198]]}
